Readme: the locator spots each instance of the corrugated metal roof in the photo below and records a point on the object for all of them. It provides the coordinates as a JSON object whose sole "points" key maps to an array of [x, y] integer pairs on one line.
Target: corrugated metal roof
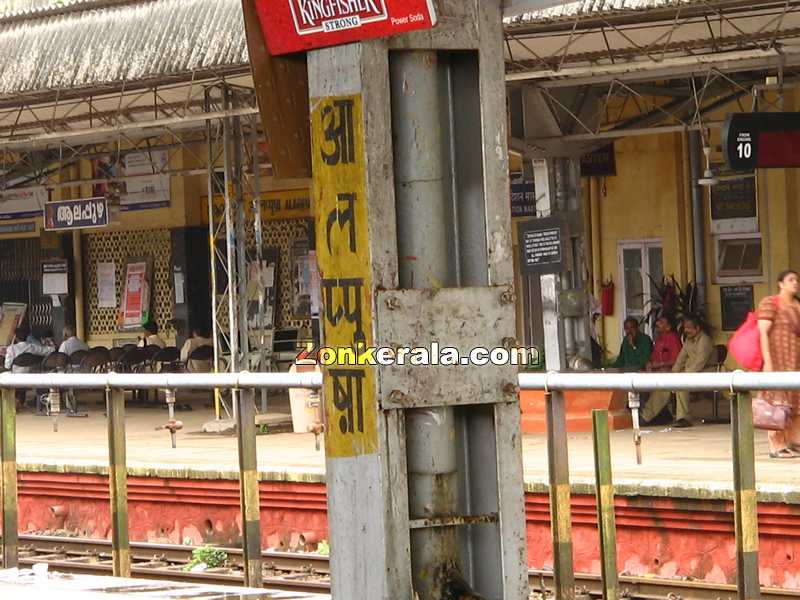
{"points": [[592, 7], [17, 8], [120, 43]]}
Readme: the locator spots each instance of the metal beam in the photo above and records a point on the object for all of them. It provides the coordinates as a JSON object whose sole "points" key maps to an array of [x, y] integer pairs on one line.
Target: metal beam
{"points": [[670, 68], [102, 134]]}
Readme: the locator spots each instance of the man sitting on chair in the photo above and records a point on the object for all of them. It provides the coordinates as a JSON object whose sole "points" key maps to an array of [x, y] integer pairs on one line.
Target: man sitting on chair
{"points": [[698, 354], [21, 346]]}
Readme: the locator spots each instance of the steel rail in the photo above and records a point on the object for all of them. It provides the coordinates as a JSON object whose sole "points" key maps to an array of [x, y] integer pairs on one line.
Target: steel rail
{"points": [[130, 381], [734, 382]]}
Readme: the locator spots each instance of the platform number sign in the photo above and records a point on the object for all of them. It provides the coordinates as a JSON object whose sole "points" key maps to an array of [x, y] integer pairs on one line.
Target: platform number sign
{"points": [[761, 141]]}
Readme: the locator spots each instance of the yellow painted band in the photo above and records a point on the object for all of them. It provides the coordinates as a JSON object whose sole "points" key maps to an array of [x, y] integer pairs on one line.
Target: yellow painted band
{"points": [[748, 507]]}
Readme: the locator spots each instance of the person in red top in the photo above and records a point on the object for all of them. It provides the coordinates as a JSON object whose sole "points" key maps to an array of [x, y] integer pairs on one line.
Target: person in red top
{"points": [[667, 347]]}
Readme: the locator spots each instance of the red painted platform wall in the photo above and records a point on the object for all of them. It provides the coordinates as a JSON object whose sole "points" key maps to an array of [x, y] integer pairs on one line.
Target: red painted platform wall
{"points": [[661, 536]]}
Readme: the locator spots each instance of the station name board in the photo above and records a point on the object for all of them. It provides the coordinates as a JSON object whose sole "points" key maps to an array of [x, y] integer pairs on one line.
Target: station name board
{"points": [[76, 214], [300, 25]]}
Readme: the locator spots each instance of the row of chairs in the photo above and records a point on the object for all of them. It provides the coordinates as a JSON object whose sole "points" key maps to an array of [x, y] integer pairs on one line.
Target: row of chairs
{"points": [[129, 358]]}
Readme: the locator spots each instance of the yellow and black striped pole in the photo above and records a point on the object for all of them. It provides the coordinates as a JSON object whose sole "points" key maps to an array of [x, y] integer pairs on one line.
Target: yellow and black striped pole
{"points": [[745, 505], [604, 491], [8, 451], [560, 515], [248, 490], [118, 482]]}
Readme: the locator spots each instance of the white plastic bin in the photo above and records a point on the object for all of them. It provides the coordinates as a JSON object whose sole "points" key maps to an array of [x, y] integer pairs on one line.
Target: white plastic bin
{"points": [[304, 403]]}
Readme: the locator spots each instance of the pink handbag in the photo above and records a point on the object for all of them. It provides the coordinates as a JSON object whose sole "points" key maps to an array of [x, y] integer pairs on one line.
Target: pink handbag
{"points": [[768, 416], [745, 345]]}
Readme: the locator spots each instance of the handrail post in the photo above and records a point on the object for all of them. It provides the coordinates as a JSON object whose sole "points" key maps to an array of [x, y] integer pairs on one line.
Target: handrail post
{"points": [[118, 482], [560, 516], [8, 451], [248, 489], [745, 504], [604, 491]]}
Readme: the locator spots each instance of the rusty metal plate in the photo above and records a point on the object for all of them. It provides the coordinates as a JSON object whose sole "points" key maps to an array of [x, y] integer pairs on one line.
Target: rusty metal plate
{"points": [[460, 318]]}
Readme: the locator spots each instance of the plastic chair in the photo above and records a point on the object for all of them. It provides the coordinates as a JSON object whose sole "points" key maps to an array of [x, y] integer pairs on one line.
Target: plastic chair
{"points": [[29, 361]]}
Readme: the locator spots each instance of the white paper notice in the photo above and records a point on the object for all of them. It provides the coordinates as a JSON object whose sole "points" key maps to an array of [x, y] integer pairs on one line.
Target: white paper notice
{"points": [[106, 285], [180, 296]]}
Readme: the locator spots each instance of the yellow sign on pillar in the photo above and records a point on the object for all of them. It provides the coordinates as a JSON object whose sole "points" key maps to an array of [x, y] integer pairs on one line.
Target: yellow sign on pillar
{"points": [[343, 252]]}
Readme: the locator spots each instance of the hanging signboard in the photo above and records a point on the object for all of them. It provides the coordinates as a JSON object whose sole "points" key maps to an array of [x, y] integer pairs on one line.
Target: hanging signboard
{"points": [[600, 163], [542, 245], [76, 214], [300, 25], [22, 203], [761, 141], [523, 200]]}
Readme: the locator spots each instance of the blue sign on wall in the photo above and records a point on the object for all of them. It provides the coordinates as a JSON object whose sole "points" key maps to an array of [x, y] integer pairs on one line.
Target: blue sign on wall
{"points": [[76, 214]]}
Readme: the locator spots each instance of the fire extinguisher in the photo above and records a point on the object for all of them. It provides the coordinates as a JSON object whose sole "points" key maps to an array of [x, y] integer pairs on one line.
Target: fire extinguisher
{"points": [[607, 297]]}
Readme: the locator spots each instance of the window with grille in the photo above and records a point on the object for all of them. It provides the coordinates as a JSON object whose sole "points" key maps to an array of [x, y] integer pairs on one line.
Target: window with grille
{"points": [[739, 257]]}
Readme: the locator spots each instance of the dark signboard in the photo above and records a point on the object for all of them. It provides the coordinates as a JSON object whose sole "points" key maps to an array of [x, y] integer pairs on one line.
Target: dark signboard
{"points": [[600, 163], [523, 199], [761, 141], [27, 227], [76, 214], [737, 301], [734, 199], [542, 245]]}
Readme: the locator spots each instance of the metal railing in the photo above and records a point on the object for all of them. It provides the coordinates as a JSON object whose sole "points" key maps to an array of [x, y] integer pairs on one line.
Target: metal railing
{"points": [[115, 385], [738, 384]]}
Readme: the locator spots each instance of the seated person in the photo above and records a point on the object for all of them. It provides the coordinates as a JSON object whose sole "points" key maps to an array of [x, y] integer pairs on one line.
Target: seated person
{"points": [[199, 338], [22, 345], [71, 343], [636, 348], [698, 354], [667, 346], [151, 337]]}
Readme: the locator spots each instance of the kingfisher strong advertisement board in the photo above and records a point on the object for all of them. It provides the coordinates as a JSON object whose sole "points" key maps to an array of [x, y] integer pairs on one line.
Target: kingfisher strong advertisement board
{"points": [[299, 25]]}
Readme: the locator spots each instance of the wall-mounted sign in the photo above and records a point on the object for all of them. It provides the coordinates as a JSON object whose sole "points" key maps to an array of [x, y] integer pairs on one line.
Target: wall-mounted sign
{"points": [[737, 302], [76, 214], [22, 203], [734, 206], [523, 199], [299, 25], [542, 244], [600, 163], [27, 227], [55, 277]]}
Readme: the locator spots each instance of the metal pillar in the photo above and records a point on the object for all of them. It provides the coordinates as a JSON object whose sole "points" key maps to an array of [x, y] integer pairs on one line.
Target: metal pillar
{"points": [[698, 218], [423, 260], [745, 503], [8, 477], [557, 451], [248, 490], [411, 201], [118, 482]]}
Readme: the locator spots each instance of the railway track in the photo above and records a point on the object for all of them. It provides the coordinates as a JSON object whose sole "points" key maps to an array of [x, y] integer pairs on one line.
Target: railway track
{"points": [[285, 571], [309, 573]]}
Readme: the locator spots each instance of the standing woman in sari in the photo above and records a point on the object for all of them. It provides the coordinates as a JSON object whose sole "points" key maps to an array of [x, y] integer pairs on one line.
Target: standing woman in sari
{"points": [[779, 325]]}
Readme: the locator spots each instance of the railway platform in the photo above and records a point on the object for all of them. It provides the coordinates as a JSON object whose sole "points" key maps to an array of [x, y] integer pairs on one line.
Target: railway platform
{"points": [[674, 511]]}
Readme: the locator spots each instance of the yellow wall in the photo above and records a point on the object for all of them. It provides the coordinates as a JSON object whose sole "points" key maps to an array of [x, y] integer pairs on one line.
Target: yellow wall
{"points": [[650, 197]]}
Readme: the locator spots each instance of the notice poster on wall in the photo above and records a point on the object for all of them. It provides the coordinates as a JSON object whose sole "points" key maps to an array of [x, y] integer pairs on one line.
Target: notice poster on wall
{"points": [[136, 295], [144, 182], [106, 285], [55, 277]]}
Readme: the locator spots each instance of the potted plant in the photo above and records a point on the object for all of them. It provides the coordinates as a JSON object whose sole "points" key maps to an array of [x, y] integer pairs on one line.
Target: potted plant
{"points": [[677, 302]]}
